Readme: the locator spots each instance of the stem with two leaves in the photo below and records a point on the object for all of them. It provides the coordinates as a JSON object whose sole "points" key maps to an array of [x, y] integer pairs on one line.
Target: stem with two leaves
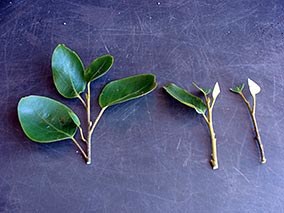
{"points": [[254, 89]]}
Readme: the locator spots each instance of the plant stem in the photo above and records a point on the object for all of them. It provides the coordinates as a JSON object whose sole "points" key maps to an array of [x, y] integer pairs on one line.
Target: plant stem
{"points": [[82, 100], [82, 135], [209, 121], [257, 135], [89, 137], [80, 148], [97, 120]]}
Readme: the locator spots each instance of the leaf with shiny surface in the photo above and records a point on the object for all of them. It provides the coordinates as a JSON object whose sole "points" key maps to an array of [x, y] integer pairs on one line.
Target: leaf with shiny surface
{"points": [[127, 89], [45, 120], [98, 67], [68, 72], [186, 98]]}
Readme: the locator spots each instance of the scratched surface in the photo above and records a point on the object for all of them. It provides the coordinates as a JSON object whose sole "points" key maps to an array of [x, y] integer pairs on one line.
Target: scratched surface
{"points": [[150, 154]]}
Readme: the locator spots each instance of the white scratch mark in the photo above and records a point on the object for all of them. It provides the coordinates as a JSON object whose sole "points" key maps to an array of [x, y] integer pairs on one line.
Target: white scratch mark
{"points": [[179, 141], [242, 174]]}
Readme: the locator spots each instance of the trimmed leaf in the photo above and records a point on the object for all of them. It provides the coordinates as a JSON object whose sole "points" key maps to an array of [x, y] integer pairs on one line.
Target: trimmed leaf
{"points": [[127, 89], [45, 120], [186, 98], [216, 90], [205, 91], [98, 67], [238, 89], [68, 72], [253, 87]]}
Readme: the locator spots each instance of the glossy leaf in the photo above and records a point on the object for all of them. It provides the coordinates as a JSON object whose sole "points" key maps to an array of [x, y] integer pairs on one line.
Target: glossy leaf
{"points": [[46, 120], [216, 90], [98, 68], [205, 91], [238, 89], [253, 87], [127, 89], [68, 72], [186, 98]]}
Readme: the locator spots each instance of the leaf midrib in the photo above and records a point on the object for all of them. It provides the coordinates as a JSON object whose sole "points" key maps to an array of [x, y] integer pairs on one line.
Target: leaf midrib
{"points": [[118, 100], [55, 128], [98, 70]]}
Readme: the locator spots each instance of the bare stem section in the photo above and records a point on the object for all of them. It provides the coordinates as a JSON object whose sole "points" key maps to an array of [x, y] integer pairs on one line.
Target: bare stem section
{"points": [[257, 135], [89, 137], [209, 121]]}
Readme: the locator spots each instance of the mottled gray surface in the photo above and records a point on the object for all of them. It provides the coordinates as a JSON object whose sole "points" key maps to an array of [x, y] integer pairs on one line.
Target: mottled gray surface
{"points": [[150, 155]]}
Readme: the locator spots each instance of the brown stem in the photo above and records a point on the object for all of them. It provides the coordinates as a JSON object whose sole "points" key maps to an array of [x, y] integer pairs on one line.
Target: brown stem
{"points": [[257, 135]]}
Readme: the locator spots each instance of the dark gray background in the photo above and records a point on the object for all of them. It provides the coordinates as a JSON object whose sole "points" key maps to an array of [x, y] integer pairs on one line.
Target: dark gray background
{"points": [[149, 154]]}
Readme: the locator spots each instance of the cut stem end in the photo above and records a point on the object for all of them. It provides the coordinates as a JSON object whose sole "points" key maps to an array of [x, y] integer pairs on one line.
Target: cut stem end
{"points": [[214, 164]]}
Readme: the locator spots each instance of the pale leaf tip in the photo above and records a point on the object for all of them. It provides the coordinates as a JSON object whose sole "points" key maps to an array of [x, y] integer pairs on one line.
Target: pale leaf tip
{"points": [[254, 88], [216, 90]]}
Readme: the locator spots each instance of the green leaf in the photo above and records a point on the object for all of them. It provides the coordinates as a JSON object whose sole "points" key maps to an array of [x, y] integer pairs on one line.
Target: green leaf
{"points": [[68, 72], [98, 68], [186, 98], [238, 89], [127, 89], [205, 91], [45, 120]]}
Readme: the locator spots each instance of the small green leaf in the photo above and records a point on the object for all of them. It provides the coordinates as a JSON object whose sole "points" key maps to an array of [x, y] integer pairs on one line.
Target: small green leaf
{"points": [[238, 89], [205, 91], [45, 120], [127, 89], [68, 72], [186, 98], [98, 67]]}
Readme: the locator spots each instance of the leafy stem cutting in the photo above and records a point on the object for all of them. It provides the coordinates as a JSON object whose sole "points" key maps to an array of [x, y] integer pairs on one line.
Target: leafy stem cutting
{"points": [[45, 120], [200, 107]]}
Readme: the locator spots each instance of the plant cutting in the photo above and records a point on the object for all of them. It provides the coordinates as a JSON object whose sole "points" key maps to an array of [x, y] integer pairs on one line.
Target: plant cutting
{"points": [[254, 89], [45, 120], [201, 107]]}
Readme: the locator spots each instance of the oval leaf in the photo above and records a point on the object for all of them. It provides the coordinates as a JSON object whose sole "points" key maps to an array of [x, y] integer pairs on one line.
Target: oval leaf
{"points": [[46, 120], [68, 72], [186, 98], [127, 89], [253, 87], [98, 68], [216, 90]]}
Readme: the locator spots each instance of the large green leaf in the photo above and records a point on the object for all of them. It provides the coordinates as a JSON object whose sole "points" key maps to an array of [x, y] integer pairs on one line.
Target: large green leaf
{"points": [[186, 98], [46, 120], [98, 67], [68, 72], [126, 89]]}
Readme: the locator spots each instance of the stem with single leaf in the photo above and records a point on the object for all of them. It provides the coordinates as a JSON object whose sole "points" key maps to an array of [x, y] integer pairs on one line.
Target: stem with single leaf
{"points": [[257, 135]]}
